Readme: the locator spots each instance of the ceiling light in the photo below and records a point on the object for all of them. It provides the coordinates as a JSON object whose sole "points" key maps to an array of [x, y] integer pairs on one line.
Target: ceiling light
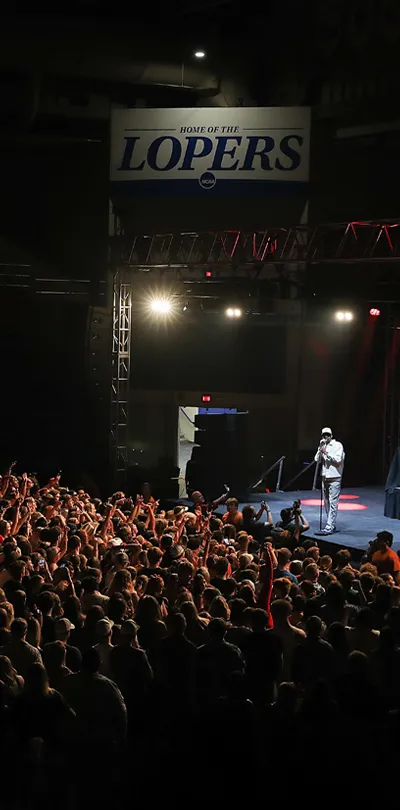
{"points": [[160, 306], [343, 316]]}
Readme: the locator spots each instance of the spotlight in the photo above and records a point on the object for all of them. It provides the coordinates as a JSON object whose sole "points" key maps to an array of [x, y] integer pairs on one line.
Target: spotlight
{"points": [[375, 312], [199, 54], [161, 306], [233, 312], [342, 316]]}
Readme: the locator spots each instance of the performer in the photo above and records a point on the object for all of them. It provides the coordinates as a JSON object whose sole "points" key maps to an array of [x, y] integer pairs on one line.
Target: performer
{"points": [[331, 455]]}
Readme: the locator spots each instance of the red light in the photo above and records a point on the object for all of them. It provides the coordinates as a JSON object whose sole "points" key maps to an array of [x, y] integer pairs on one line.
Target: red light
{"points": [[206, 398], [208, 274], [342, 507], [375, 312]]}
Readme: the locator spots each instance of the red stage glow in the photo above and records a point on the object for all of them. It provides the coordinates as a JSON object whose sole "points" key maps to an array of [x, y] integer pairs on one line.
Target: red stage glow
{"points": [[374, 312], [352, 507], [206, 398], [348, 497], [343, 507]]}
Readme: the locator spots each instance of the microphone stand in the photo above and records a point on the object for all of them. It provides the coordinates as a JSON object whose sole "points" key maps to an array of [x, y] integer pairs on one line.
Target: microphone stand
{"points": [[320, 503], [323, 444]]}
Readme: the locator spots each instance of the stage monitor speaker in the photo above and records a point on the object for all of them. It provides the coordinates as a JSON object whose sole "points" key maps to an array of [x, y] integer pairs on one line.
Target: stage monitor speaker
{"points": [[392, 488], [220, 455]]}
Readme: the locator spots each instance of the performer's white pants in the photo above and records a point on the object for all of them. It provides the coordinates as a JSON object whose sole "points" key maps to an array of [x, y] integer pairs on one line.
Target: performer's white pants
{"points": [[331, 489]]}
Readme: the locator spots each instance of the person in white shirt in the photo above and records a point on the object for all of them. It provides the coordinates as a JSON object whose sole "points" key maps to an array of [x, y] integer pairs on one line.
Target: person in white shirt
{"points": [[331, 455]]}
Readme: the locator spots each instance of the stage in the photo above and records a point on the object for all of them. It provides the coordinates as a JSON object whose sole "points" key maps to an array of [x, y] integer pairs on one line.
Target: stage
{"points": [[360, 515]]}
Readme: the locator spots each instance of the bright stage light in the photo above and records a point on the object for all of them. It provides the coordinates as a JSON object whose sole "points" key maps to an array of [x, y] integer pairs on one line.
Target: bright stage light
{"points": [[199, 54], [161, 306], [233, 312], [237, 312], [343, 316], [375, 312]]}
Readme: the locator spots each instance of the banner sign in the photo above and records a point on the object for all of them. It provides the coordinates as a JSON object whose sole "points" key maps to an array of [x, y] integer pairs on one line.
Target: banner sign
{"points": [[206, 150]]}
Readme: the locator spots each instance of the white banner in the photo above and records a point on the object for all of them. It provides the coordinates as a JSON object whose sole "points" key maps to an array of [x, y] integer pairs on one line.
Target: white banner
{"points": [[210, 149]]}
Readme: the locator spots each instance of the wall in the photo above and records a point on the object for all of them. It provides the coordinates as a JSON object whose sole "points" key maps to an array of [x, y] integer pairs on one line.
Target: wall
{"points": [[272, 426]]}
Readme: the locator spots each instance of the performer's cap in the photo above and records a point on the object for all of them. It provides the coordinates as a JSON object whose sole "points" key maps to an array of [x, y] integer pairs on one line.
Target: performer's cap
{"points": [[326, 430]]}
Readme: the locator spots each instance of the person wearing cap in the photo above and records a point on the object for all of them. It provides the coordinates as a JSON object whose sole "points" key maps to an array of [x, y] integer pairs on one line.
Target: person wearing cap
{"points": [[55, 662], [120, 561], [330, 455], [62, 631]]}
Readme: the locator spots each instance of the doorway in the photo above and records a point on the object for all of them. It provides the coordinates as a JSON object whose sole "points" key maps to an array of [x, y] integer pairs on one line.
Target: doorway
{"points": [[186, 437], [186, 431]]}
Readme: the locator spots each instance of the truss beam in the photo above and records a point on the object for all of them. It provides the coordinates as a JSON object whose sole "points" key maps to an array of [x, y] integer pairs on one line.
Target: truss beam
{"points": [[121, 363], [337, 243]]}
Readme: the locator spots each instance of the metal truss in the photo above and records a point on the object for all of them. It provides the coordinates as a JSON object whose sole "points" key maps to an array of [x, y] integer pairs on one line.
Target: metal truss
{"points": [[121, 361], [337, 243]]}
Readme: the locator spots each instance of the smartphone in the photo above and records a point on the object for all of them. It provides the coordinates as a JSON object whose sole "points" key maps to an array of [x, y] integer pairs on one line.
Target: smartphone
{"points": [[42, 562]]}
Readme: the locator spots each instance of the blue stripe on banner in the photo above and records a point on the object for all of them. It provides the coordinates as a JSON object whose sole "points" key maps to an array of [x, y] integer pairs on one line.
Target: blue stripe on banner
{"points": [[222, 188]]}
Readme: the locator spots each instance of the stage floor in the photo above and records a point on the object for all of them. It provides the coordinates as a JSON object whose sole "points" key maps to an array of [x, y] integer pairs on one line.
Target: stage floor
{"points": [[360, 514]]}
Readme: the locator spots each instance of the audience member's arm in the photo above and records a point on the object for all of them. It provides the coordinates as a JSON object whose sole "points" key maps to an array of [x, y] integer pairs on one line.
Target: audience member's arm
{"points": [[357, 587], [63, 544], [16, 519], [136, 509], [54, 482], [151, 518], [206, 548], [180, 524], [23, 486], [21, 521], [107, 522], [4, 485], [265, 508], [199, 519], [266, 577], [6, 480], [70, 587], [222, 498], [304, 523]]}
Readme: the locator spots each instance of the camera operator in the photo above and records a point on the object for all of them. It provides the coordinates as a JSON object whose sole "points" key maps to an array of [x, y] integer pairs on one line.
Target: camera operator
{"points": [[292, 524], [252, 524], [381, 554]]}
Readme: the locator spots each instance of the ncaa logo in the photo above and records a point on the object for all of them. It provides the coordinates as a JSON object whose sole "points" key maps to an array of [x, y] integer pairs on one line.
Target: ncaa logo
{"points": [[207, 180]]}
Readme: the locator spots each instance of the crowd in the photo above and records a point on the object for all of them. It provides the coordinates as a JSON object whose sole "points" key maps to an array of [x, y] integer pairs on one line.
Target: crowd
{"points": [[126, 627]]}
